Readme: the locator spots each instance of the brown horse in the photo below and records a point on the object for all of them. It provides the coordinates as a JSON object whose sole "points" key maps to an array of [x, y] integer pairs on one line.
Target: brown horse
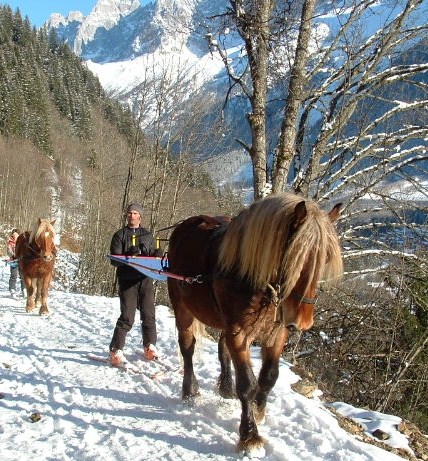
{"points": [[254, 277], [36, 252]]}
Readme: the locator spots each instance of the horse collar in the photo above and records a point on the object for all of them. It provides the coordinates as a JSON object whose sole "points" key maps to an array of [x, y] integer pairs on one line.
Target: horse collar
{"points": [[36, 254]]}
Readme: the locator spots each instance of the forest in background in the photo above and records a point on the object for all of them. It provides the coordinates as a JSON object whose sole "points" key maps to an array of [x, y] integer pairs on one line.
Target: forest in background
{"points": [[68, 151], [71, 153]]}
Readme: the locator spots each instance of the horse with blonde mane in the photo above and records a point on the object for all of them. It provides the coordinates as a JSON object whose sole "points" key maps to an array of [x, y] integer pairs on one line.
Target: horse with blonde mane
{"points": [[36, 252], [254, 277]]}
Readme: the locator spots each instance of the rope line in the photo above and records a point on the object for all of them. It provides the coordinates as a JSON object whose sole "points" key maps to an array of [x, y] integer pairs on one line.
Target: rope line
{"points": [[187, 279]]}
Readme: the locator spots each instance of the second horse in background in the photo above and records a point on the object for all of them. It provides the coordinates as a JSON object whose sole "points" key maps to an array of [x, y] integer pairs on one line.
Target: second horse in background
{"points": [[36, 252]]}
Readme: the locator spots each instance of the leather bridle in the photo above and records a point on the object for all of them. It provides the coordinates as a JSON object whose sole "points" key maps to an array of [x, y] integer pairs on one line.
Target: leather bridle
{"points": [[303, 299]]}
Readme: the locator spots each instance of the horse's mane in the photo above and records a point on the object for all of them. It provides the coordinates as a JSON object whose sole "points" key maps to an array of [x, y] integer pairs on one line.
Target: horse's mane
{"points": [[40, 227], [257, 246]]}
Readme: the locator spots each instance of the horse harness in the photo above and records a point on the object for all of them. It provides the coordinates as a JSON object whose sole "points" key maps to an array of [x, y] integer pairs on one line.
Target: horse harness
{"points": [[37, 254]]}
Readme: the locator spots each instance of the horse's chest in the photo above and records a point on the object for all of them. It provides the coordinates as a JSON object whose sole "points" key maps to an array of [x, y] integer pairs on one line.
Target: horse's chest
{"points": [[37, 268]]}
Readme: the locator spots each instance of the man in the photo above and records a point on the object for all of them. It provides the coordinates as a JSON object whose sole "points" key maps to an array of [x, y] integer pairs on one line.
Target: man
{"points": [[135, 289]]}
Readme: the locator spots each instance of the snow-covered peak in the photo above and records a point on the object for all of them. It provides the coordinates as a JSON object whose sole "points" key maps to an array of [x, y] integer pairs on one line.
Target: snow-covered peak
{"points": [[105, 14], [178, 9], [57, 19], [174, 18], [75, 16], [109, 9]]}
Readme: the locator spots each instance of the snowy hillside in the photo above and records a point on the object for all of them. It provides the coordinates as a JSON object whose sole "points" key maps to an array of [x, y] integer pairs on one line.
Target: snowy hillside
{"points": [[57, 404]]}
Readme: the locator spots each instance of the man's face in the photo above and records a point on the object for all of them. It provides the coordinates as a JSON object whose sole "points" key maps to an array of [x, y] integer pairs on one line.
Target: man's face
{"points": [[134, 219], [15, 235]]}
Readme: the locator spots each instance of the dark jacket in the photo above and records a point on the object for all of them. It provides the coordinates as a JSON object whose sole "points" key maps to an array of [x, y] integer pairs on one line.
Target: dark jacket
{"points": [[122, 244]]}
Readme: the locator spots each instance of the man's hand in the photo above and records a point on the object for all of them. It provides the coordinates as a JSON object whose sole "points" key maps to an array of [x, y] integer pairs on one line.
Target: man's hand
{"points": [[134, 251]]}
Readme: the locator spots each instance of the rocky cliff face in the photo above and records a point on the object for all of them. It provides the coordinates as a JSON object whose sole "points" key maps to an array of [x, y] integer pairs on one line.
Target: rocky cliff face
{"points": [[141, 48], [119, 30], [79, 30]]}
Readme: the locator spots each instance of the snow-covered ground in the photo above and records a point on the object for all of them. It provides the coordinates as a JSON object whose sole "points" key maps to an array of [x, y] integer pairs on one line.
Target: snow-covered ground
{"points": [[91, 411]]}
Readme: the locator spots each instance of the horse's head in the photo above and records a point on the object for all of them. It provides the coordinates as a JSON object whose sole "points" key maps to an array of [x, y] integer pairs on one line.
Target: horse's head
{"points": [[299, 306], [287, 244], [320, 253], [43, 237]]}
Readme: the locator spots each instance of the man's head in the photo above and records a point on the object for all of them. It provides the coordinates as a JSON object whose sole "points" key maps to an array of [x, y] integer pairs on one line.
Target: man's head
{"points": [[14, 234], [134, 213]]}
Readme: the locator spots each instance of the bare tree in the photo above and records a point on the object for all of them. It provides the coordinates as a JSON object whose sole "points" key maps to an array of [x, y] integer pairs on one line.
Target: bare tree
{"points": [[369, 346], [252, 20], [24, 196], [167, 170], [327, 141], [354, 122]]}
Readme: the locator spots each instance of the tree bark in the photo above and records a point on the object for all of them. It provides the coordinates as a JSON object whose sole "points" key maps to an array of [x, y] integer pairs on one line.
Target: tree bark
{"points": [[287, 140], [254, 28]]}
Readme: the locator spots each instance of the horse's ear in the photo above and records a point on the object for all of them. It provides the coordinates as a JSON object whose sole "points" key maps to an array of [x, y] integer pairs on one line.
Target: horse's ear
{"points": [[335, 212], [39, 221], [300, 214], [53, 222]]}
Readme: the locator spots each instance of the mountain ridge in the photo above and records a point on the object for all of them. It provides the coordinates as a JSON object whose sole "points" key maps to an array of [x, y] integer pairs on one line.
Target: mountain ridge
{"points": [[105, 14]]}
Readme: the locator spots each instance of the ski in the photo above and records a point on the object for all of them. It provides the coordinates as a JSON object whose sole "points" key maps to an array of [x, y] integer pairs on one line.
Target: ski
{"points": [[126, 366], [129, 366], [165, 367]]}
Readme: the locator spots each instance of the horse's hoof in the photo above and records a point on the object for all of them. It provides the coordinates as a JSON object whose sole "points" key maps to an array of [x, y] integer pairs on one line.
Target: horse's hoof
{"points": [[227, 394], [29, 309], [253, 448], [190, 400], [44, 311]]}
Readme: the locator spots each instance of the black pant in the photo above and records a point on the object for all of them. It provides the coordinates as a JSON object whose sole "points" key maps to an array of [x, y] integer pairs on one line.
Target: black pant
{"points": [[135, 295]]}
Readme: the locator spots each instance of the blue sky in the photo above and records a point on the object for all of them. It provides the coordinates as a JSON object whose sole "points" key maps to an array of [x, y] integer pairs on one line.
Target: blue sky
{"points": [[38, 11]]}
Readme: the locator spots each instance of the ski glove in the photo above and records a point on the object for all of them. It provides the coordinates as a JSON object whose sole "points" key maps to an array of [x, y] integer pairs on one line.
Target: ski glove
{"points": [[134, 251]]}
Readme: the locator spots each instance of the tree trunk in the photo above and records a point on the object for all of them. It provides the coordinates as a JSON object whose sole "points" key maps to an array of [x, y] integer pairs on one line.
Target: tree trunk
{"points": [[254, 28], [287, 141]]}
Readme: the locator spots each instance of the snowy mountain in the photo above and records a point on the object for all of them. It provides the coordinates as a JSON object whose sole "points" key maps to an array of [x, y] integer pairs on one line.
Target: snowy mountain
{"points": [[122, 30], [81, 30], [137, 48], [128, 43]]}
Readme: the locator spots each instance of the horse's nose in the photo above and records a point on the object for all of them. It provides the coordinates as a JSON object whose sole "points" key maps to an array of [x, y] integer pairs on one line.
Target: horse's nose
{"points": [[292, 328]]}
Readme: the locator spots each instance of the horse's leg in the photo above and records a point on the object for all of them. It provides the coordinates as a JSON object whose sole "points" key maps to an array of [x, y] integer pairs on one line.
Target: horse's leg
{"points": [[44, 309], [186, 323], [29, 283], [38, 287], [246, 386], [225, 380], [268, 373]]}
